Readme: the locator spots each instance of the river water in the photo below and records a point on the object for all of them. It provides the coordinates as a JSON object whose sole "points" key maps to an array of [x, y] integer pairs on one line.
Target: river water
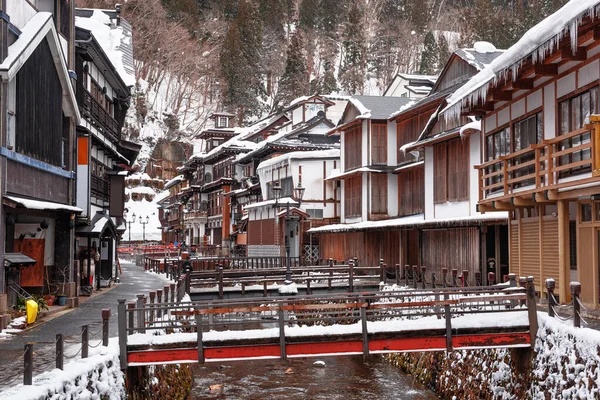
{"points": [[344, 378]]}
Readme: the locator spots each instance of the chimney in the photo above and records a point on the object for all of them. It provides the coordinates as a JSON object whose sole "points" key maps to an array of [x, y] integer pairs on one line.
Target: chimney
{"points": [[118, 10]]}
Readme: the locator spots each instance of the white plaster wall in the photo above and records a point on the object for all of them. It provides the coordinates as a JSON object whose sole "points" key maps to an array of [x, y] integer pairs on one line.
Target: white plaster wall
{"points": [[518, 108], [451, 210], [392, 144], [342, 202], [490, 123], [534, 100], [429, 210], [565, 85], [392, 194], [366, 185], [83, 193], [549, 112], [365, 153], [20, 12], [474, 159], [588, 74], [503, 116], [296, 115]]}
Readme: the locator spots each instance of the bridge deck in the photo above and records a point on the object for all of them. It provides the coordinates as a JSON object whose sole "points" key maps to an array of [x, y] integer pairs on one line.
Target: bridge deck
{"points": [[304, 326]]}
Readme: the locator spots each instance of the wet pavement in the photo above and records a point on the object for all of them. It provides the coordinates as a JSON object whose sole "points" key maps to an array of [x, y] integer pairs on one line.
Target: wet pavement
{"points": [[134, 280], [342, 378]]}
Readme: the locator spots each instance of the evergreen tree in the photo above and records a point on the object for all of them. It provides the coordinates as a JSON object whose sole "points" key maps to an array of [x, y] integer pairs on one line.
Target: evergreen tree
{"points": [[443, 52], [429, 55], [309, 14], [353, 69], [328, 83], [240, 63], [294, 82]]}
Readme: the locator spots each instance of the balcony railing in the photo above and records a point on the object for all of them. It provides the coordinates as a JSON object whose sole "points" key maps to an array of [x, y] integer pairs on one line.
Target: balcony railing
{"points": [[99, 188], [194, 214], [563, 161], [173, 217], [103, 121]]}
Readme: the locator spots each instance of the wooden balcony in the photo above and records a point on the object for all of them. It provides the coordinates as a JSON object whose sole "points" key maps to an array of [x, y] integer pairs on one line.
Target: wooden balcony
{"points": [[99, 188], [173, 216], [102, 120], [563, 162], [190, 215]]}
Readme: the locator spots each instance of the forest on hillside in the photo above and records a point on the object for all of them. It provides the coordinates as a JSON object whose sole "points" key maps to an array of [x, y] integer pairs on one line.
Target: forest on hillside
{"points": [[254, 56]]}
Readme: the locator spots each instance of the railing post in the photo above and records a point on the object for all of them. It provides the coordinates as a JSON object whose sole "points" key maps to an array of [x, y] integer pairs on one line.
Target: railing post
{"points": [[448, 318], [454, 276], [141, 323], [397, 269], [265, 288], [351, 276], [575, 292], [281, 333], [423, 280], [381, 272], [308, 286], [105, 319], [415, 272], [523, 284], [28, 365], [330, 274], [512, 279], [550, 286], [444, 276], [365, 333], [152, 299], [199, 338], [220, 270], [122, 319], [85, 341], [532, 311], [159, 303], [491, 279], [130, 307], [60, 351]]}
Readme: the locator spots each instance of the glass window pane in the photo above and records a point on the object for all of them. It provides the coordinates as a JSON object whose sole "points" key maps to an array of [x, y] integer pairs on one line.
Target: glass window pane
{"points": [[575, 114], [539, 128], [564, 117], [585, 108], [586, 212]]}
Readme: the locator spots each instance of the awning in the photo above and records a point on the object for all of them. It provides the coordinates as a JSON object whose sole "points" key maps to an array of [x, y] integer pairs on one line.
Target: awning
{"points": [[30, 204], [18, 259], [97, 227]]}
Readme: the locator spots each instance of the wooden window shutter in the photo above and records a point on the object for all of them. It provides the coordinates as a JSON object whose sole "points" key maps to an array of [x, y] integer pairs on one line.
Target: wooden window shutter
{"points": [[440, 169]]}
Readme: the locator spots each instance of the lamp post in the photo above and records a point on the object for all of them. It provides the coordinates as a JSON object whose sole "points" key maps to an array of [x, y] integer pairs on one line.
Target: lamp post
{"points": [[129, 226], [144, 222], [298, 194]]}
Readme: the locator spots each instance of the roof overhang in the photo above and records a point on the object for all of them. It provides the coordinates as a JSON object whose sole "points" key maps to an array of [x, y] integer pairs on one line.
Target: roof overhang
{"points": [[18, 259], [30, 204], [41, 27]]}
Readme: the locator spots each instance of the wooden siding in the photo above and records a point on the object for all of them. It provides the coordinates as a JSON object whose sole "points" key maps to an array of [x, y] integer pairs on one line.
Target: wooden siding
{"points": [[32, 182], [369, 247], [585, 257], [408, 131], [440, 172], [550, 245], [379, 144], [513, 247], [411, 192], [451, 248], [353, 148], [353, 197], [261, 232], [39, 127], [379, 193], [455, 73], [530, 245], [451, 170]]}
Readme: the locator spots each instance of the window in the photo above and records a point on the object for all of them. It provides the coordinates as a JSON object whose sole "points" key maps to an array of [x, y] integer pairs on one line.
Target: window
{"points": [[222, 122], [451, 171], [497, 145], [407, 131], [586, 212], [526, 132], [315, 213], [411, 188], [378, 193], [379, 144], [573, 114], [353, 197], [353, 147], [287, 188]]}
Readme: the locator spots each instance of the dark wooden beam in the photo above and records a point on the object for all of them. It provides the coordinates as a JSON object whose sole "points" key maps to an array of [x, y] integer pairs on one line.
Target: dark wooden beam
{"points": [[522, 202], [579, 55], [502, 96], [546, 69], [525, 83]]}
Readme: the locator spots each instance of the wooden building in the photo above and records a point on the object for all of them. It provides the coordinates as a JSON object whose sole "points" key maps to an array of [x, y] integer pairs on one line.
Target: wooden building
{"points": [[37, 144], [539, 140]]}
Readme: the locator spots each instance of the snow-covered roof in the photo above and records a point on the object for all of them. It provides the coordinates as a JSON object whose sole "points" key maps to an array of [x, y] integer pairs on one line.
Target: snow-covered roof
{"points": [[403, 108], [112, 38], [40, 27], [299, 155], [537, 43], [409, 166], [338, 174], [419, 89], [413, 220], [378, 107], [140, 189], [481, 55], [31, 204], [471, 126], [280, 202], [174, 181]]}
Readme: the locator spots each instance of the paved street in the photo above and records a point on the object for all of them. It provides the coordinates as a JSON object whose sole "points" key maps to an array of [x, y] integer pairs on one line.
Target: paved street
{"points": [[133, 281]]}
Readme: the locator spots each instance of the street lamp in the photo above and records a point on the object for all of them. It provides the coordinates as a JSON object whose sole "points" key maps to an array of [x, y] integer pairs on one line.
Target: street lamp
{"points": [[129, 226], [144, 222], [298, 194]]}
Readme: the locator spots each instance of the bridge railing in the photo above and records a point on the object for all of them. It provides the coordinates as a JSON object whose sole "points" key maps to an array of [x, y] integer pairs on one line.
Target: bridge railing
{"points": [[276, 319]]}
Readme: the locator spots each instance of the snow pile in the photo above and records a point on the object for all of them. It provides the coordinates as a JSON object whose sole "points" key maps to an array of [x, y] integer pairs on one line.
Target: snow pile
{"points": [[95, 377], [291, 288], [484, 47], [15, 326]]}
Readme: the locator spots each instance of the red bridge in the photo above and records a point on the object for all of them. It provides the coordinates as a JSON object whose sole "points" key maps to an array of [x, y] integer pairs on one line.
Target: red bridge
{"points": [[355, 323]]}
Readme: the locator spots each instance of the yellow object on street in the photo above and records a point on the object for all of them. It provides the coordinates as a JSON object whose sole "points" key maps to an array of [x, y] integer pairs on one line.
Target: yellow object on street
{"points": [[32, 311]]}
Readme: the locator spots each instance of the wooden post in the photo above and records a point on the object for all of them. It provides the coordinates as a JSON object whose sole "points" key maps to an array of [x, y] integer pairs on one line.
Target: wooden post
{"points": [[130, 326], [166, 289], [365, 333], [415, 272], [523, 284], [448, 317], [381, 271], [423, 280], [220, 283], [159, 303], [281, 334], [141, 323], [564, 264], [351, 276], [85, 341], [265, 290], [550, 286], [512, 279], [122, 320], [105, 319], [28, 364], [152, 298], [308, 286], [330, 274], [532, 311], [444, 275], [199, 338], [188, 282], [575, 292], [60, 353]]}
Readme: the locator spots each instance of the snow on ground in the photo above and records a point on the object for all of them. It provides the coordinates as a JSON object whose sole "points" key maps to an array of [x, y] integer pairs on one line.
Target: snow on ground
{"points": [[14, 327], [95, 377]]}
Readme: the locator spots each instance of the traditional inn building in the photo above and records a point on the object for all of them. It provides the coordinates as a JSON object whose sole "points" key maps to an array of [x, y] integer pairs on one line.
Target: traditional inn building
{"points": [[538, 106]]}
